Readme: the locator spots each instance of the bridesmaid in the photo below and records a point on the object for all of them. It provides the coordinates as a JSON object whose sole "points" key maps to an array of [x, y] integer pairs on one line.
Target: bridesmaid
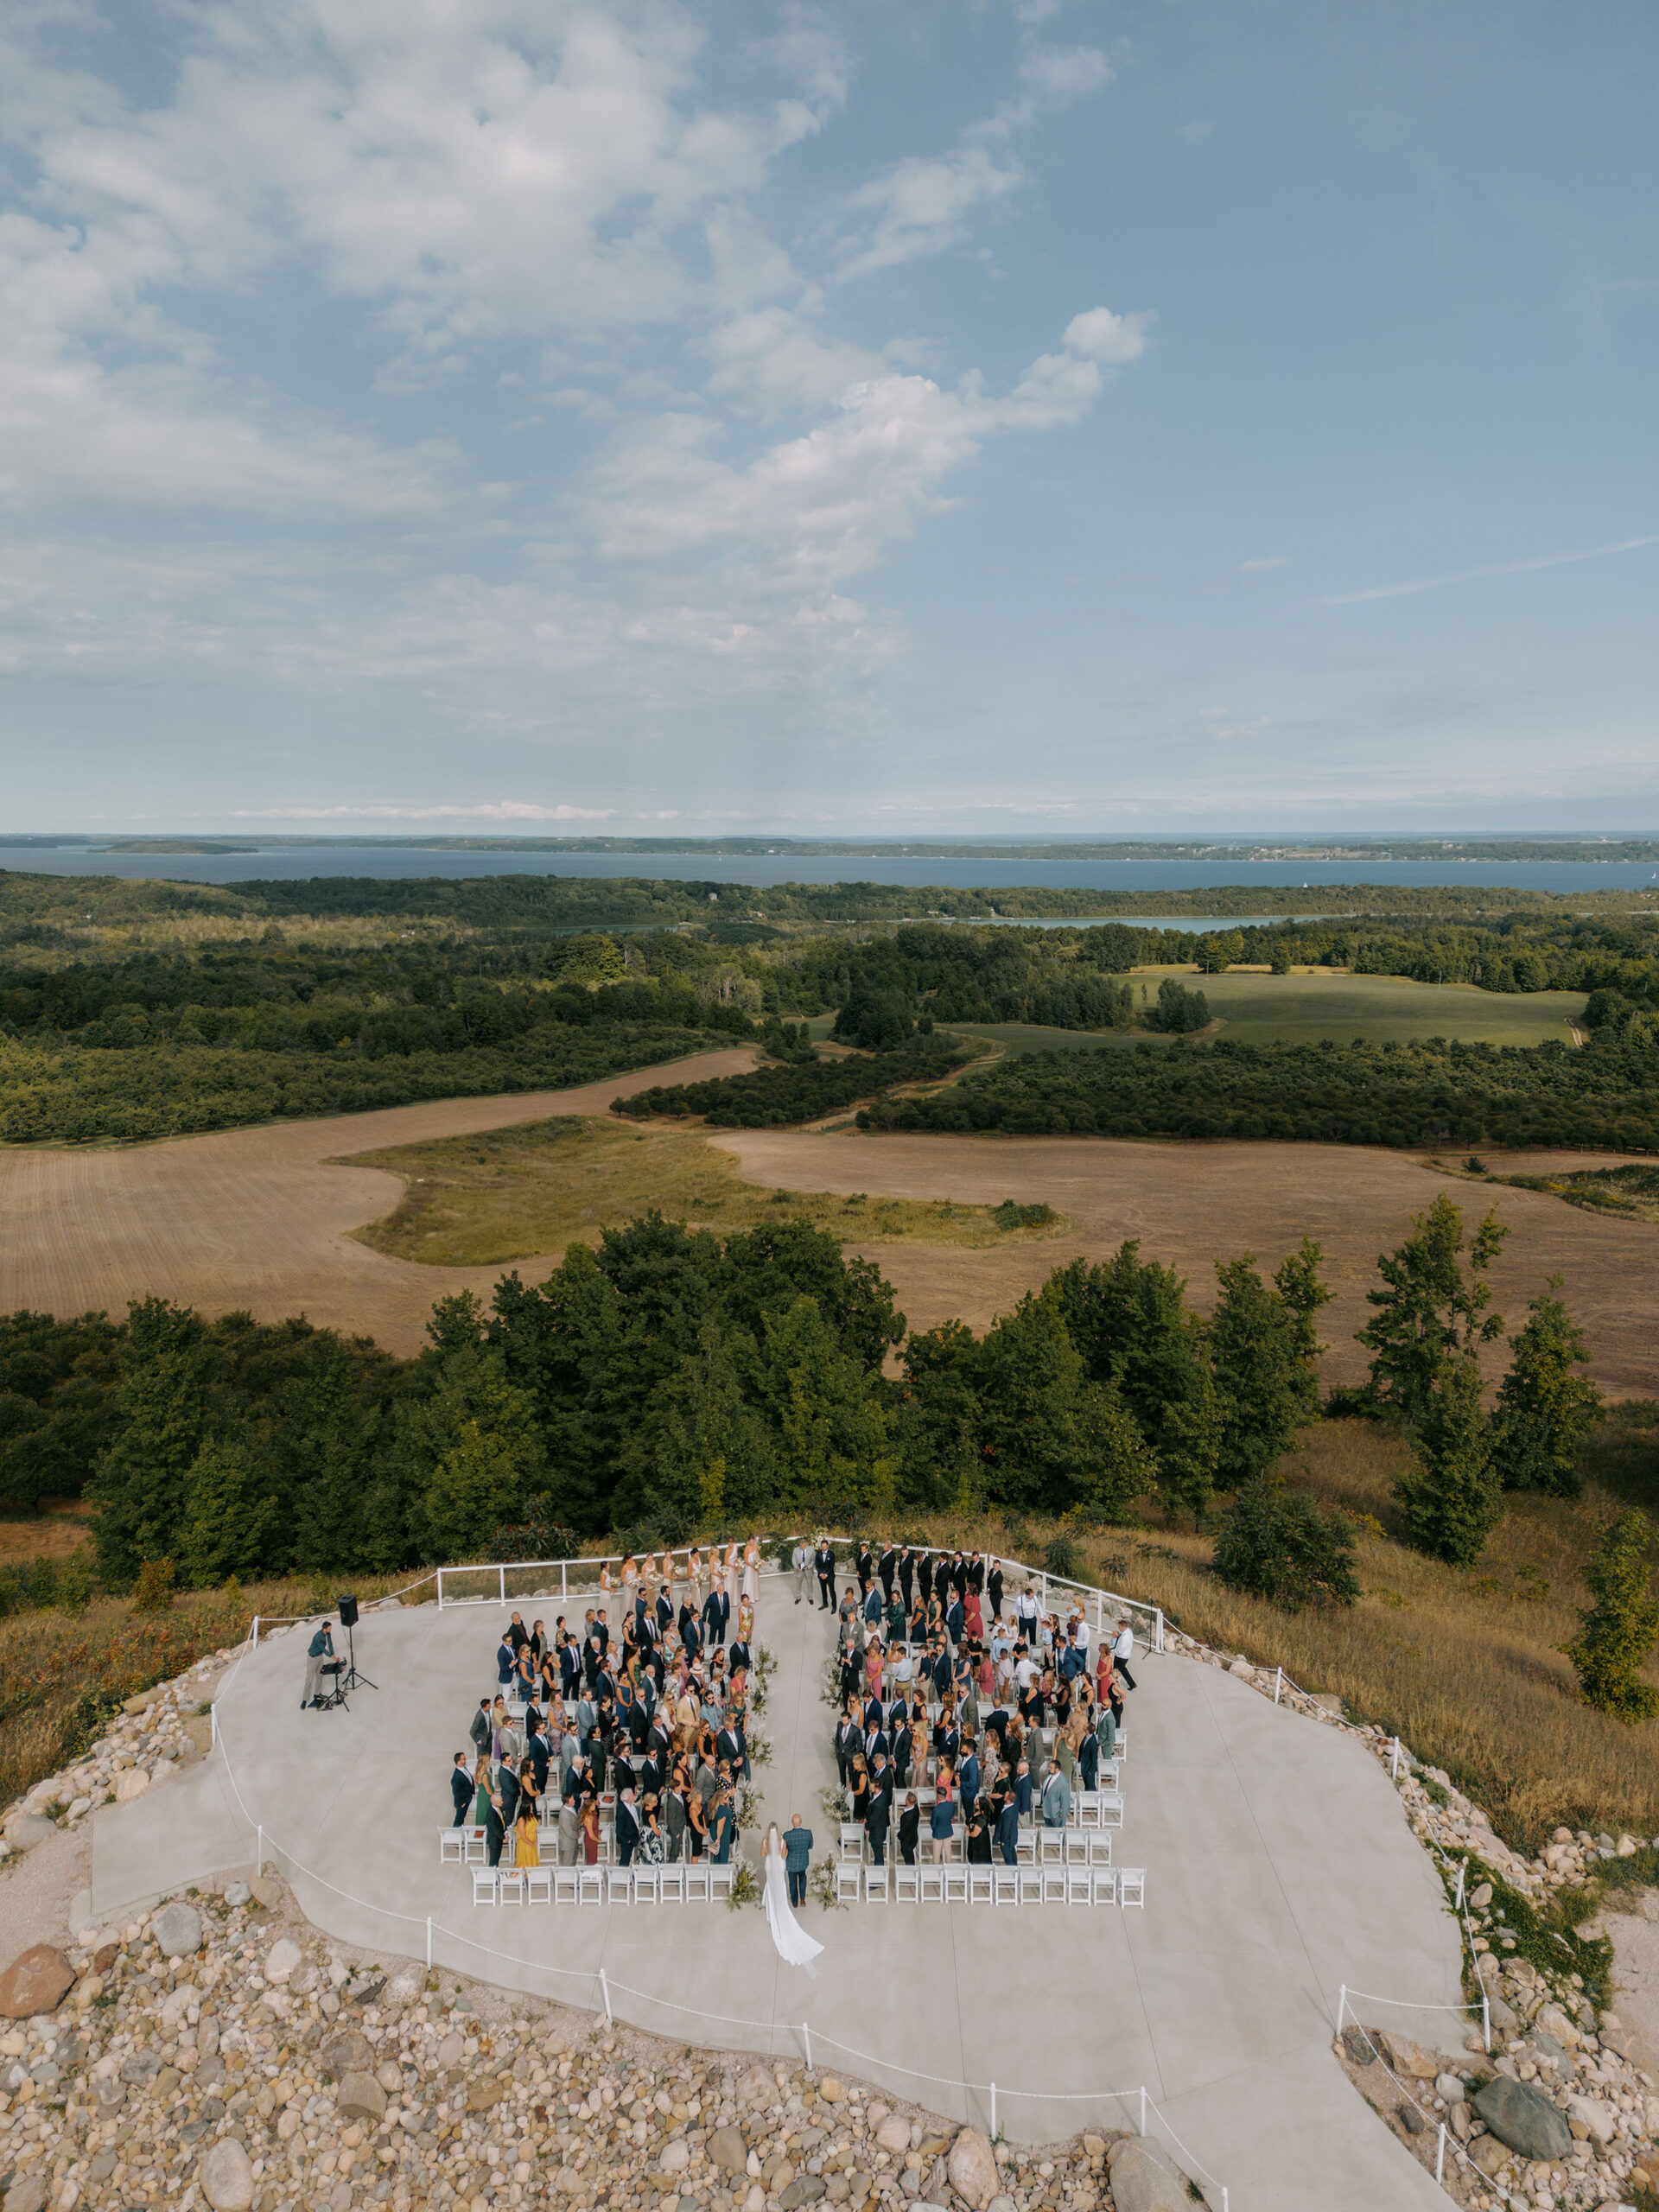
{"points": [[729, 1568], [694, 1571], [751, 1569], [606, 1585]]}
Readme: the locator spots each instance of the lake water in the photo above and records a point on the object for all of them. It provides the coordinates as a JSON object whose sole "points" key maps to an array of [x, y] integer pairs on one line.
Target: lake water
{"points": [[289, 864]]}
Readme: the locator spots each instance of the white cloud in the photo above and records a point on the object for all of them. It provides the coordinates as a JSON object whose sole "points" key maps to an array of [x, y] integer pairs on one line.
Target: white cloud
{"points": [[1524, 567], [1263, 561], [504, 810], [1059, 75]]}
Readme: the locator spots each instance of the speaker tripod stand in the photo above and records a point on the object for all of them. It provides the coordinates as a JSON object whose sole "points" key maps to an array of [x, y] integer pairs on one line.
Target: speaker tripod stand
{"points": [[352, 1679]]}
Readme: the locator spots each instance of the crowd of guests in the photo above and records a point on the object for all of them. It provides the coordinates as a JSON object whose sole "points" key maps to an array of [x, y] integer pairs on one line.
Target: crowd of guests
{"points": [[927, 1633], [643, 1723]]}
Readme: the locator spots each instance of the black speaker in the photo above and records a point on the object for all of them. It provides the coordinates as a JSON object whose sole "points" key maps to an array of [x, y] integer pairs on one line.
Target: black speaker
{"points": [[348, 1612]]}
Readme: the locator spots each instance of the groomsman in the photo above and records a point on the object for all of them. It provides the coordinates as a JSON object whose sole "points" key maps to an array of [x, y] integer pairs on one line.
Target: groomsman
{"points": [[878, 1813], [889, 1568], [825, 1561]]}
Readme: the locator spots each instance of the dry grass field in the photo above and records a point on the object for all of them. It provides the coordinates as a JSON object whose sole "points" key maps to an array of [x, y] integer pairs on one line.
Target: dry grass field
{"points": [[503, 1194]]}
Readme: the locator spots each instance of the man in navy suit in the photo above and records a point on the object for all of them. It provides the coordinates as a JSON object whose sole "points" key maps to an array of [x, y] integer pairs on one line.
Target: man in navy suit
{"points": [[627, 1828], [716, 1611], [461, 1788]]}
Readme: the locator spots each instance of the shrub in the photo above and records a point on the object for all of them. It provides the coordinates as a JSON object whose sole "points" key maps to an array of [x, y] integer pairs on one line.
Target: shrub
{"points": [[153, 1591], [1063, 1558], [1280, 1545], [1618, 1632]]}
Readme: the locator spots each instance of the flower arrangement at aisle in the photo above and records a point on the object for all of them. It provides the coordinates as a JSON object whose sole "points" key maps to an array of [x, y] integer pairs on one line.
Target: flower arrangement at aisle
{"points": [[745, 1889], [823, 1886]]}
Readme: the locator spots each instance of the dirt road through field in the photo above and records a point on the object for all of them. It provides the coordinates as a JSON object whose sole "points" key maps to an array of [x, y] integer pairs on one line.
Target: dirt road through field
{"points": [[257, 1217], [1193, 1203]]}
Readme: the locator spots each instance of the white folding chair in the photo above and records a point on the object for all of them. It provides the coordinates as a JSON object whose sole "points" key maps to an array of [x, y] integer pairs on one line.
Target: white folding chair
{"points": [[1078, 1881], [1051, 1846], [452, 1846], [619, 1884], [719, 1882], [647, 1885], [1132, 1886], [1121, 1748], [486, 1886], [565, 1886], [1100, 1851], [930, 1889], [907, 1884], [1085, 1809], [849, 1881], [1111, 1808], [980, 1886], [1024, 1849], [1106, 1775], [876, 1879], [671, 1884], [590, 1885], [1053, 1882], [538, 1885], [697, 1884], [1005, 1885], [511, 1890], [850, 1842], [1031, 1885], [475, 1850], [1103, 1885], [1076, 1847]]}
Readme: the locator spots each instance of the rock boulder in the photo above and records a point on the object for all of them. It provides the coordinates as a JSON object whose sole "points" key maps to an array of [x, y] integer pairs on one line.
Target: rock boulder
{"points": [[37, 1980], [227, 2176], [1523, 2117], [972, 2168], [177, 1930], [1144, 2179], [362, 2096]]}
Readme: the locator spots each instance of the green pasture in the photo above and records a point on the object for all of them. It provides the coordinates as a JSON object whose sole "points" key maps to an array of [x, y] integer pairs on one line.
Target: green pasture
{"points": [[1382, 1009]]}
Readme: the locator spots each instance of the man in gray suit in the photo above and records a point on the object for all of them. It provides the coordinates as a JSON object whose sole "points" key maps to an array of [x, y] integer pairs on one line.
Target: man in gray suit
{"points": [[1056, 1798]]}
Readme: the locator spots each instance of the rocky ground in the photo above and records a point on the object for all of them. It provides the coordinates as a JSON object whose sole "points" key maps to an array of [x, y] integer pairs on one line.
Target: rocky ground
{"points": [[222, 2051]]}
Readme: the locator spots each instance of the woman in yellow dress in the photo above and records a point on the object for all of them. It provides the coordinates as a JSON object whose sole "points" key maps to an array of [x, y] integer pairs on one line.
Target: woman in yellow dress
{"points": [[530, 1835]]}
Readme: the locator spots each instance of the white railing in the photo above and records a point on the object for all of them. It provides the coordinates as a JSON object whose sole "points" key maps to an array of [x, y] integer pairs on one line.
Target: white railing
{"points": [[459, 1585]]}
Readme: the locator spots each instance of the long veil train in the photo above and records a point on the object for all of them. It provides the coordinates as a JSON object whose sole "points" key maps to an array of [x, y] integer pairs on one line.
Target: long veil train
{"points": [[794, 1945]]}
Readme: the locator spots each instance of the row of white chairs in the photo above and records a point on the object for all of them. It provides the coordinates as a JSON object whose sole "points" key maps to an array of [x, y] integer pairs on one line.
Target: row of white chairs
{"points": [[1032, 1847], [948, 1884], [698, 1884]]}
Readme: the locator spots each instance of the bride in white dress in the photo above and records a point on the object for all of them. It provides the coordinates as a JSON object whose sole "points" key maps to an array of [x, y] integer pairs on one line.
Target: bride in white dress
{"points": [[793, 1945]]}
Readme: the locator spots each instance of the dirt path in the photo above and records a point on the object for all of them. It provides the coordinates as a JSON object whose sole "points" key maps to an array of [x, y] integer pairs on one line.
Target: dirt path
{"points": [[1191, 1204], [257, 1217]]}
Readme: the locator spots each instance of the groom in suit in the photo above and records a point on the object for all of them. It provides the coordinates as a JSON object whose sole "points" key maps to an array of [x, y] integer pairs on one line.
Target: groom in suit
{"points": [[825, 1560], [716, 1611]]}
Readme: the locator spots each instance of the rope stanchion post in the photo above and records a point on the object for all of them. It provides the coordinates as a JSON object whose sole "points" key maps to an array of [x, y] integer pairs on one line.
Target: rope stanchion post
{"points": [[1278, 1685], [429, 1942], [1394, 1762], [1485, 2018], [1142, 2128], [993, 2111], [260, 1863], [605, 1991], [806, 2045], [1439, 2155], [1342, 2006], [1463, 1870]]}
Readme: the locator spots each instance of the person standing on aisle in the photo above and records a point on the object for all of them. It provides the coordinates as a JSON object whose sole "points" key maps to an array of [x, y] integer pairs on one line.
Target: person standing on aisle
{"points": [[1123, 1652], [461, 1788], [824, 1559], [802, 1565], [797, 1859]]}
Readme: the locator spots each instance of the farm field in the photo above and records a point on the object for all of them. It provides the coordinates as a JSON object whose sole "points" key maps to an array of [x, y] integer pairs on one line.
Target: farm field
{"points": [[1300, 1009], [503, 1194]]}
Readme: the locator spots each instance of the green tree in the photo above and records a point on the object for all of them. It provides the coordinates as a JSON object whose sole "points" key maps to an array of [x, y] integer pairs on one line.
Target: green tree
{"points": [[477, 1456], [1118, 1466], [1262, 1349], [1619, 1631], [937, 1430], [1544, 1410], [1429, 1307], [228, 1515], [138, 1490], [1189, 1443], [1280, 1545], [1450, 1496]]}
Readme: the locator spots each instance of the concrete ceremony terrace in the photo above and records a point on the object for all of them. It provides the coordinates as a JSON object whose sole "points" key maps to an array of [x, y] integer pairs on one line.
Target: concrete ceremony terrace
{"points": [[1279, 1866]]}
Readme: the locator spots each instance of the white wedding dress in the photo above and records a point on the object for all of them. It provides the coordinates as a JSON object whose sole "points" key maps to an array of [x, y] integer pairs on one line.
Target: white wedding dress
{"points": [[793, 1943]]}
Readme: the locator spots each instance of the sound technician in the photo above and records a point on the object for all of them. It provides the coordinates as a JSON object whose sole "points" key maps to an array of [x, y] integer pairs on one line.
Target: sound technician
{"points": [[319, 1652]]}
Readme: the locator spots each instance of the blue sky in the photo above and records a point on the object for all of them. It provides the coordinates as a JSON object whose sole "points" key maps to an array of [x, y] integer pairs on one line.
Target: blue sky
{"points": [[1041, 417]]}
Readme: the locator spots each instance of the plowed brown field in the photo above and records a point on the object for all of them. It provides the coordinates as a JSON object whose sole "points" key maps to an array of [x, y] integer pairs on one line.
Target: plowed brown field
{"points": [[261, 1219]]}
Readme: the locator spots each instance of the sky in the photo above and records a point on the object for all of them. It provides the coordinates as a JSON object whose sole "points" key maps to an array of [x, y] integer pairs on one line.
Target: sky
{"points": [[1036, 417]]}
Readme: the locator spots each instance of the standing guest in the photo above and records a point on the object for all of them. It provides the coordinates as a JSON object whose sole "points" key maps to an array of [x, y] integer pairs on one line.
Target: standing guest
{"points": [[797, 1858], [461, 1788], [978, 1851], [569, 1832], [723, 1832], [906, 1575], [886, 1568], [482, 1793], [865, 1568], [627, 1828], [524, 1673], [506, 1659], [495, 1830], [1123, 1652], [878, 1811], [590, 1831], [942, 1824], [506, 1784], [674, 1817], [994, 1589], [924, 1577], [480, 1729], [1024, 1612], [910, 1822], [968, 1777], [802, 1561], [1022, 1787], [697, 1821], [1007, 1829], [528, 1849], [653, 1844], [1057, 1798], [825, 1560], [321, 1648], [897, 1621], [716, 1612]]}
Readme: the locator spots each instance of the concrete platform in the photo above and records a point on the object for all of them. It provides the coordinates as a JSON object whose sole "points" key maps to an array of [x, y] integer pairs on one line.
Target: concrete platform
{"points": [[1279, 1862]]}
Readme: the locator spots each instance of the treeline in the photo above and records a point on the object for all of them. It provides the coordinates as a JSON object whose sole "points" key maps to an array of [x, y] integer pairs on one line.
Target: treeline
{"points": [[1406, 1095], [782, 1097], [667, 1382]]}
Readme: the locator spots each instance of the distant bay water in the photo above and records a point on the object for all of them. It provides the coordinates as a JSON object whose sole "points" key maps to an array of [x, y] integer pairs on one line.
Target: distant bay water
{"points": [[289, 864]]}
